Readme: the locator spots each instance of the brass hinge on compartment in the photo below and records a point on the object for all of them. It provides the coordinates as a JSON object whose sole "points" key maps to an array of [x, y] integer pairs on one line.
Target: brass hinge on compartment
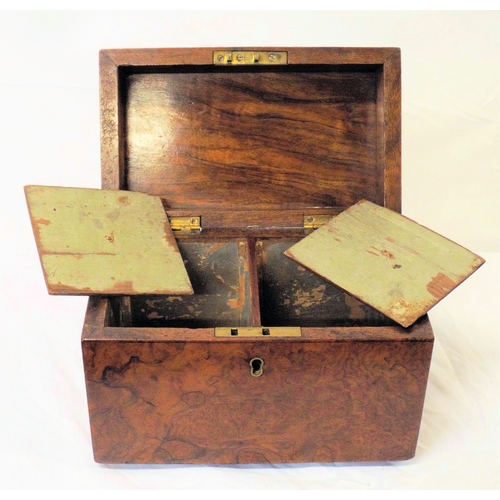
{"points": [[235, 57], [258, 331], [185, 223], [315, 221]]}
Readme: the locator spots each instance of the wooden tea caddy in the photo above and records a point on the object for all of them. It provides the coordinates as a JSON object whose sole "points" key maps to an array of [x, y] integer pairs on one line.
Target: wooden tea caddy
{"points": [[250, 150]]}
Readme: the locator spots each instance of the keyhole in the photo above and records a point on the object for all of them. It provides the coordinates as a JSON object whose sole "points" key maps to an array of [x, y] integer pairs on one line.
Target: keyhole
{"points": [[256, 367]]}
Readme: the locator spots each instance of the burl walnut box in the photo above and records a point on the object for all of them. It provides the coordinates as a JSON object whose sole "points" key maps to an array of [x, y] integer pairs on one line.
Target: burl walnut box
{"points": [[250, 150], [255, 294]]}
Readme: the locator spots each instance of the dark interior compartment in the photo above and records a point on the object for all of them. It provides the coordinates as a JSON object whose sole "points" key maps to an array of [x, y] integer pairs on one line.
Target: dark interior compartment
{"points": [[218, 141], [220, 272], [291, 295]]}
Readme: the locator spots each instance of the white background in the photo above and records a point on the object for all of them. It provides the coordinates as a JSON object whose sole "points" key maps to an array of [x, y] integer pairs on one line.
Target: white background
{"points": [[49, 134]]}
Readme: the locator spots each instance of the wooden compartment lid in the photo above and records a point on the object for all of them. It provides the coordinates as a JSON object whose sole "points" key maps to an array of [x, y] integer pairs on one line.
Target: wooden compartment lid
{"points": [[386, 260], [93, 241], [319, 130]]}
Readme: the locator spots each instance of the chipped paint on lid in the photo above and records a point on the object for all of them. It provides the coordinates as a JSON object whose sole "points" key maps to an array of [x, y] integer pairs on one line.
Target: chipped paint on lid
{"points": [[93, 241], [388, 261]]}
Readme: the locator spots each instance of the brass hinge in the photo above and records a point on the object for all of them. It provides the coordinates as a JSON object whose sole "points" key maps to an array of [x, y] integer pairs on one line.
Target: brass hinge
{"points": [[224, 57], [258, 331], [185, 223], [315, 221]]}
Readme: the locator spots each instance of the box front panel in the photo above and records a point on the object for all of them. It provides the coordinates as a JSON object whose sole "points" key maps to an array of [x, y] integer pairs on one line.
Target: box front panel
{"points": [[198, 402]]}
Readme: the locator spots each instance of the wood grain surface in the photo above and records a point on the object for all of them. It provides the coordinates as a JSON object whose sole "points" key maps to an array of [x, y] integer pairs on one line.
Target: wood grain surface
{"points": [[219, 139], [391, 263], [324, 398], [323, 131], [93, 241]]}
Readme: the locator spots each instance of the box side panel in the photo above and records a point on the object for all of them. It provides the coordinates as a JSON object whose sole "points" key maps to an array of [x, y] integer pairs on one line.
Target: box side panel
{"points": [[112, 167], [180, 402], [389, 132]]}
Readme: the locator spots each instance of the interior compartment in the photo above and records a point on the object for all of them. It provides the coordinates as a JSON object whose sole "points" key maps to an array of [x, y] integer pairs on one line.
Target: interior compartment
{"points": [[251, 150], [291, 295], [218, 271], [247, 282]]}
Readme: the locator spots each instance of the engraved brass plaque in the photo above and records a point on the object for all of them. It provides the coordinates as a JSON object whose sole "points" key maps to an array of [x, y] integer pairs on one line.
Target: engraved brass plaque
{"points": [[238, 57]]}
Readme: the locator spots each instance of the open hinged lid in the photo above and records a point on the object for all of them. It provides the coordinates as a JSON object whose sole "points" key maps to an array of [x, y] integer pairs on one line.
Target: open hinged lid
{"points": [[389, 262], [253, 137], [94, 241]]}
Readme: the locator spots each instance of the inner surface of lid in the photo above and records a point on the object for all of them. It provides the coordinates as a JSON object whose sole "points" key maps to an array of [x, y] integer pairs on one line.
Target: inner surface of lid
{"points": [[225, 138]]}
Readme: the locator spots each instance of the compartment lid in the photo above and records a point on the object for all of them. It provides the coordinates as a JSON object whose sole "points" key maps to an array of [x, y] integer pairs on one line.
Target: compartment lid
{"points": [[93, 241], [217, 130], [386, 260]]}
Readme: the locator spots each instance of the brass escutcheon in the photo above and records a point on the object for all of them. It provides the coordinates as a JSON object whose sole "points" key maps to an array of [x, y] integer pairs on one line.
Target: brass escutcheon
{"points": [[256, 367]]}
